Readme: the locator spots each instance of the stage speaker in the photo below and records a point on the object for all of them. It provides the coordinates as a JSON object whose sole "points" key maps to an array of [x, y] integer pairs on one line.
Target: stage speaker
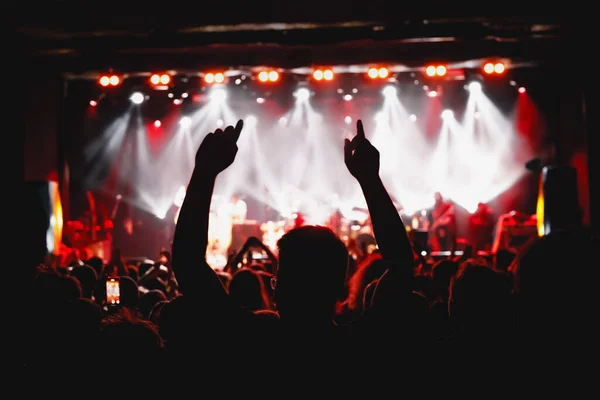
{"points": [[43, 216], [558, 208]]}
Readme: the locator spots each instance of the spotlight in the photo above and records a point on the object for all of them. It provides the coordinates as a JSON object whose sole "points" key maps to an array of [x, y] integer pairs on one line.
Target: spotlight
{"points": [[432, 93], [348, 120], [157, 123], [348, 97], [137, 98], [447, 114], [522, 90], [251, 120], [496, 68], [155, 79], [106, 80], [412, 117], [328, 75], [474, 86], [260, 100], [373, 73], [302, 94], [219, 77], [273, 76], [263, 76], [436, 70], [218, 94], [93, 103], [383, 73], [185, 122], [389, 91]]}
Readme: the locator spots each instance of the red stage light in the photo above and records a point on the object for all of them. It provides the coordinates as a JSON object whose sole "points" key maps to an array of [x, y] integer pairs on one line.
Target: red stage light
{"points": [[378, 73], [522, 89], [436, 70], [93, 103], [497, 68]]}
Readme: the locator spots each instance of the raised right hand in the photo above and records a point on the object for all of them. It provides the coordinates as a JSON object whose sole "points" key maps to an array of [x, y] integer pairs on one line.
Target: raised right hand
{"points": [[361, 157], [218, 150]]}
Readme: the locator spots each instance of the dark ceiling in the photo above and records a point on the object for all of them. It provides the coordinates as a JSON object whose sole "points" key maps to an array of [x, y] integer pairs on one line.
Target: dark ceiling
{"points": [[83, 38]]}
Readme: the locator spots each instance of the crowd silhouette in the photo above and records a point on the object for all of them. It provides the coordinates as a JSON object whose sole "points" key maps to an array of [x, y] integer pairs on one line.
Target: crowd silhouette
{"points": [[314, 322]]}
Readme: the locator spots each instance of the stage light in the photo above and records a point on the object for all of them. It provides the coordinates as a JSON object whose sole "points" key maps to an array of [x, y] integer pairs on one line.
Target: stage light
{"points": [[137, 98], [268, 76], [219, 77], [474, 86], [104, 81], [165, 79], [318, 75], [220, 123], [412, 117], [378, 73], [157, 123], [348, 120], [260, 100], [432, 93], [436, 70], [251, 121], [447, 114], [177, 102], [114, 80], [155, 79], [185, 122], [497, 68], [348, 97], [302, 94], [218, 95], [209, 78], [93, 103], [389, 91], [522, 90], [328, 75], [184, 95]]}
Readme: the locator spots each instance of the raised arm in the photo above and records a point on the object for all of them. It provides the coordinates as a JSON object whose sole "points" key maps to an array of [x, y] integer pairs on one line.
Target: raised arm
{"points": [[195, 276], [362, 160]]}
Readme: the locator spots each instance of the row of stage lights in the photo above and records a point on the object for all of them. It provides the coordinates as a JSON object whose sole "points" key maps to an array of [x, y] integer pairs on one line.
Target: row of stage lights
{"points": [[301, 94], [304, 94], [162, 80]]}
